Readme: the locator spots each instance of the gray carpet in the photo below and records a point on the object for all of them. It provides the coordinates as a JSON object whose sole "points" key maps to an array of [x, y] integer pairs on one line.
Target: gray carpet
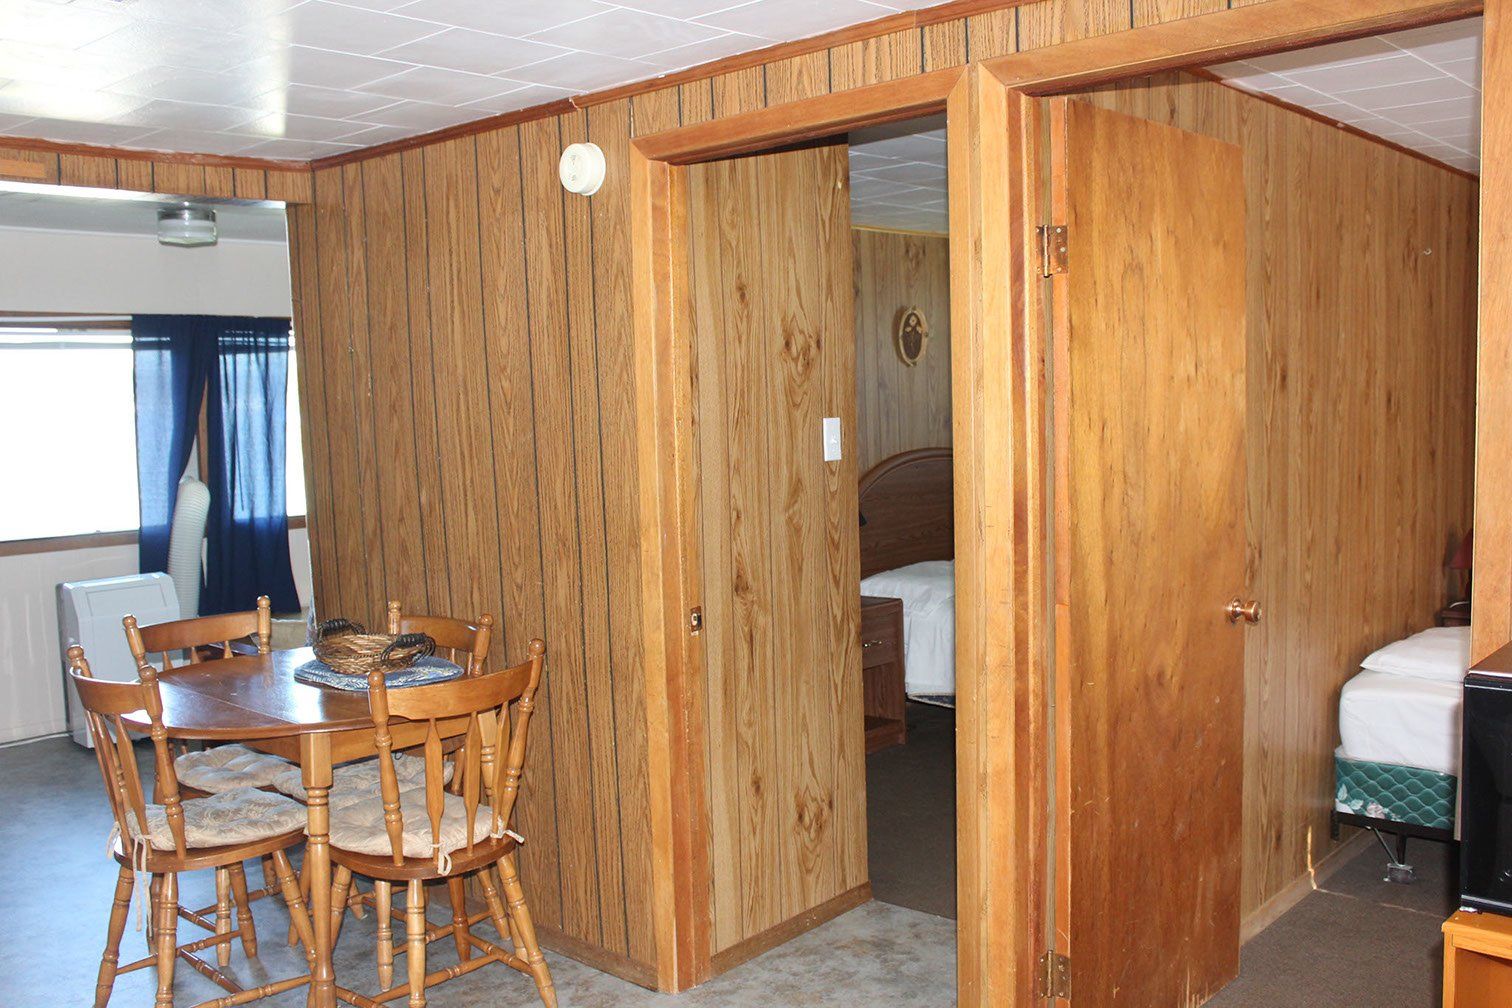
{"points": [[1358, 942], [910, 815]]}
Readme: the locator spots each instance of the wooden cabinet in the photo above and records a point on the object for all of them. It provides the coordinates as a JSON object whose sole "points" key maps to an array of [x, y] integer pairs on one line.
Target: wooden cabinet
{"points": [[1477, 960], [882, 671]]}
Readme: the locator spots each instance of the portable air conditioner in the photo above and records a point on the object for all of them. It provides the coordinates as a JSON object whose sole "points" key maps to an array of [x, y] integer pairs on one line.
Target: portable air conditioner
{"points": [[89, 614]]}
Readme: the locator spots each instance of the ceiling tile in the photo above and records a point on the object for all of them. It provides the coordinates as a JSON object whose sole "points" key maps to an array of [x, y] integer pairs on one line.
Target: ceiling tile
{"points": [[200, 141], [186, 115], [295, 150], [334, 103], [303, 65], [345, 29], [516, 18], [419, 116], [76, 105], [446, 87], [698, 53], [521, 98], [686, 9], [151, 44], [58, 25], [1334, 55], [298, 127], [789, 19], [473, 51], [1394, 95], [177, 84], [1389, 70], [627, 34], [1461, 110], [219, 15], [50, 65], [64, 131], [583, 71], [13, 123]]}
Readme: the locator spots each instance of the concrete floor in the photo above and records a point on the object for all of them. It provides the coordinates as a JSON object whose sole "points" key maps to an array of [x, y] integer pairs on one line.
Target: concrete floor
{"points": [[59, 880]]}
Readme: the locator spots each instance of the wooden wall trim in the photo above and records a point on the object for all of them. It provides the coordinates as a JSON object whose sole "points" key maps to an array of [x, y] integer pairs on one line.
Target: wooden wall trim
{"points": [[806, 119], [161, 157], [1259, 29], [1491, 626]]}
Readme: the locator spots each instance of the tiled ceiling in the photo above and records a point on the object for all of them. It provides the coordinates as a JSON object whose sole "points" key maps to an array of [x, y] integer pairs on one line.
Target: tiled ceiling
{"points": [[897, 176], [1417, 88], [302, 80], [136, 215]]}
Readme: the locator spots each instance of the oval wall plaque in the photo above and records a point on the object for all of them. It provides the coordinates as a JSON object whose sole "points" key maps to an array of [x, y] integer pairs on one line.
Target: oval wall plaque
{"points": [[912, 338]]}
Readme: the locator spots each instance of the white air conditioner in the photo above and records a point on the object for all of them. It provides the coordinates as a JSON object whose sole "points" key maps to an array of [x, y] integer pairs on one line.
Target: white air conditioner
{"points": [[89, 614]]}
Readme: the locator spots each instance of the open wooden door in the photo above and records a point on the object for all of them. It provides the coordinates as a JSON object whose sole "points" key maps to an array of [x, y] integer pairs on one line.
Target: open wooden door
{"points": [[774, 354], [1149, 358]]}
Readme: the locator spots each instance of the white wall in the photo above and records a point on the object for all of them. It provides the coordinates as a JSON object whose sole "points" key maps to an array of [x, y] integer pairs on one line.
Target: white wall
{"points": [[62, 271], [72, 271], [31, 665]]}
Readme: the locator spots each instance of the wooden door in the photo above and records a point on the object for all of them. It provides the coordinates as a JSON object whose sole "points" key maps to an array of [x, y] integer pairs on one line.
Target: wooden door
{"points": [[1149, 345], [774, 354]]}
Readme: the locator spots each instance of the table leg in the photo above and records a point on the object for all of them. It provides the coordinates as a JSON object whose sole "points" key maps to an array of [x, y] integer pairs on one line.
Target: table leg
{"points": [[315, 767]]}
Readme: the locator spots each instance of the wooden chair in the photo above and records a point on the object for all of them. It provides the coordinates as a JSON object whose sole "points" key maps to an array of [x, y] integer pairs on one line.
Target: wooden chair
{"points": [[457, 640], [200, 632], [428, 833], [175, 835]]}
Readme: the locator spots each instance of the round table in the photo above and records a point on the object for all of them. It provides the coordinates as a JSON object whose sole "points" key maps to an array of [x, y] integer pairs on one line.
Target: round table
{"points": [[255, 700]]}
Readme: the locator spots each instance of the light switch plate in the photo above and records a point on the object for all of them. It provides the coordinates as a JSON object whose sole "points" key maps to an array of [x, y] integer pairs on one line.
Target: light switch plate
{"points": [[832, 439]]}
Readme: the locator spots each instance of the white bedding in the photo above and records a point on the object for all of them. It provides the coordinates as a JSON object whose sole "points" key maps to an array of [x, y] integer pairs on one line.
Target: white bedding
{"points": [[1400, 719], [928, 593]]}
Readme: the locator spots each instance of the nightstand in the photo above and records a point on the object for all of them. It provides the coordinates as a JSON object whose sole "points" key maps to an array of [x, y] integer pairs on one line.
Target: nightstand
{"points": [[1457, 614], [1477, 960], [882, 671]]}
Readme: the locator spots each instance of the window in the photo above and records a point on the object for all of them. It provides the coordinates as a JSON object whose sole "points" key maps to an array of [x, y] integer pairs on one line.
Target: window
{"points": [[68, 411]]}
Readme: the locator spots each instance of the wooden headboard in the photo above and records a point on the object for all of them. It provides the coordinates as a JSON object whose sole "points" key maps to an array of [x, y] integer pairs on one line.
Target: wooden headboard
{"points": [[907, 510]]}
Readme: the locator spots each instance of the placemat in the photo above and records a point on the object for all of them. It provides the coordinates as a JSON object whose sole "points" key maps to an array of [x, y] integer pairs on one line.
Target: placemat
{"points": [[424, 672]]}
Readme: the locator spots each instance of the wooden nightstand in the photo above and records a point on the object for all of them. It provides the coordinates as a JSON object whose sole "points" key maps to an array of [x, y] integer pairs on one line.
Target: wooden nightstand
{"points": [[882, 671], [1477, 960]]}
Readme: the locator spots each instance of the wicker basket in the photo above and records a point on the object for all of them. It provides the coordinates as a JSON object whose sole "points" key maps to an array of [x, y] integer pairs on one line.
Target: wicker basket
{"points": [[350, 650]]}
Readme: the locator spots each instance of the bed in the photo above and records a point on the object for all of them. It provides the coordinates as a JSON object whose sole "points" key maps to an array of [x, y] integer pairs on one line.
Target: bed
{"points": [[908, 552], [1396, 768]]}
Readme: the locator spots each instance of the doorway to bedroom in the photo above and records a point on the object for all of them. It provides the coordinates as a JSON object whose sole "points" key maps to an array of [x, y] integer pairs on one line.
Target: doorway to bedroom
{"points": [[901, 260]]}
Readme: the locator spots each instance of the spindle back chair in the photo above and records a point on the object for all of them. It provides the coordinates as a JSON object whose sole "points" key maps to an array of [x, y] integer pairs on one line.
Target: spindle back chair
{"points": [[105, 704], [464, 642], [190, 635]]}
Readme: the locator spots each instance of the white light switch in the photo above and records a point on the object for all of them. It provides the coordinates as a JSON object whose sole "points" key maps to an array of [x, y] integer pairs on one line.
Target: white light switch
{"points": [[832, 439]]}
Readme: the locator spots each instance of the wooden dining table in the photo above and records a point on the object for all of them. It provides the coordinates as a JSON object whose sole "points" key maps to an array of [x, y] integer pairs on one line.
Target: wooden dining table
{"points": [[255, 700]]}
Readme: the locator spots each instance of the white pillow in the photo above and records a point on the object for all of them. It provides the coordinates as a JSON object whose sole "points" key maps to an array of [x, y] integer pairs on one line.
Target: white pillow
{"points": [[1441, 653]]}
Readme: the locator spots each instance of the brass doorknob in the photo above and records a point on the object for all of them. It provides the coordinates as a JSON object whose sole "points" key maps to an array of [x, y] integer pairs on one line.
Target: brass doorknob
{"points": [[1237, 610]]}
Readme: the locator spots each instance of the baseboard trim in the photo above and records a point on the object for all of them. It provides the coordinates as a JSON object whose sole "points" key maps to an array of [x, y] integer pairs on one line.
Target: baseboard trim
{"points": [[639, 973], [750, 948], [1295, 891]]}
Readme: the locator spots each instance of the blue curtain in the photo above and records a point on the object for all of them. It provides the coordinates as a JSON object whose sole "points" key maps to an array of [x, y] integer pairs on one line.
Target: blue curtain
{"points": [[248, 535], [171, 358], [242, 364]]}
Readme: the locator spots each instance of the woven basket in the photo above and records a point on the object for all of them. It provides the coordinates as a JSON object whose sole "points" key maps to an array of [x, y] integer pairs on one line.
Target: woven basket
{"points": [[350, 650]]}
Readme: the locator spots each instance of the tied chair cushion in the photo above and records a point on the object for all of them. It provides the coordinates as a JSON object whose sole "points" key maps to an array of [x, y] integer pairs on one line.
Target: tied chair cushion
{"points": [[241, 815], [359, 827], [356, 781], [227, 767]]}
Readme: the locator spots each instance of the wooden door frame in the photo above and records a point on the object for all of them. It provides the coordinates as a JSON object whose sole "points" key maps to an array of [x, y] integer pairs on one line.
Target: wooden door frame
{"points": [[1000, 387]]}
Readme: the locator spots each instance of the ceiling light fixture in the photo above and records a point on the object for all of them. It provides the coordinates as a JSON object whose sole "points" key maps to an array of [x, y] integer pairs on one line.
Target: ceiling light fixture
{"points": [[187, 226]]}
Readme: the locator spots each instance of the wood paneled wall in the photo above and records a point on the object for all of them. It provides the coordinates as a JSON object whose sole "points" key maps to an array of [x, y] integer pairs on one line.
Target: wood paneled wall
{"points": [[174, 176], [898, 407], [1361, 382], [464, 359]]}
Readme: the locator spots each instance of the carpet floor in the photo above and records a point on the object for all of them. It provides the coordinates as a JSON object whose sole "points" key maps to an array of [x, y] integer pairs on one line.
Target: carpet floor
{"points": [[910, 815]]}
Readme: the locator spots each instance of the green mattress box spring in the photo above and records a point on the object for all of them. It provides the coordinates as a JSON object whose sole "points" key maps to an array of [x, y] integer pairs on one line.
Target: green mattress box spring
{"points": [[1399, 793]]}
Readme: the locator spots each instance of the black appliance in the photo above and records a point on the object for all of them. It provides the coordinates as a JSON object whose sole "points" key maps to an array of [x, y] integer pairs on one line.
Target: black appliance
{"points": [[1486, 794]]}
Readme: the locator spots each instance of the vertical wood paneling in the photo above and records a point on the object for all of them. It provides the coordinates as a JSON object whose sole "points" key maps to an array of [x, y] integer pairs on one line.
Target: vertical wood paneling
{"points": [[220, 181], [1360, 370], [392, 418], [511, 409], [899, 408], [609, 127], [874, 60], [697, 101], [250, 183], [25, 165], [1052, 22], [740, 91], [551, 371], [1147, 12], [655, 111], [82, 170], [992, 34], [797, 77], [944, 45], [177, 179]]}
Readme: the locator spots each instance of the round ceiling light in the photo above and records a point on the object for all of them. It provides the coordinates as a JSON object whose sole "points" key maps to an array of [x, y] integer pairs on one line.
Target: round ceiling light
{"points": [[186, 226]]}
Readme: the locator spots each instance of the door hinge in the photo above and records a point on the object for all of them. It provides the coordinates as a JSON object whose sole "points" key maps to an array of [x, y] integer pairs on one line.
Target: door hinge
{"points": [[695, 620], [1055, 975], [1055, 246]]}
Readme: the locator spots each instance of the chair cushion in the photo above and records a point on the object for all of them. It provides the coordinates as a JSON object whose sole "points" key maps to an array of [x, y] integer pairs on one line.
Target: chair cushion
{"points": [[226, 767], [359, 827], [357, 780], [240, 815]]}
